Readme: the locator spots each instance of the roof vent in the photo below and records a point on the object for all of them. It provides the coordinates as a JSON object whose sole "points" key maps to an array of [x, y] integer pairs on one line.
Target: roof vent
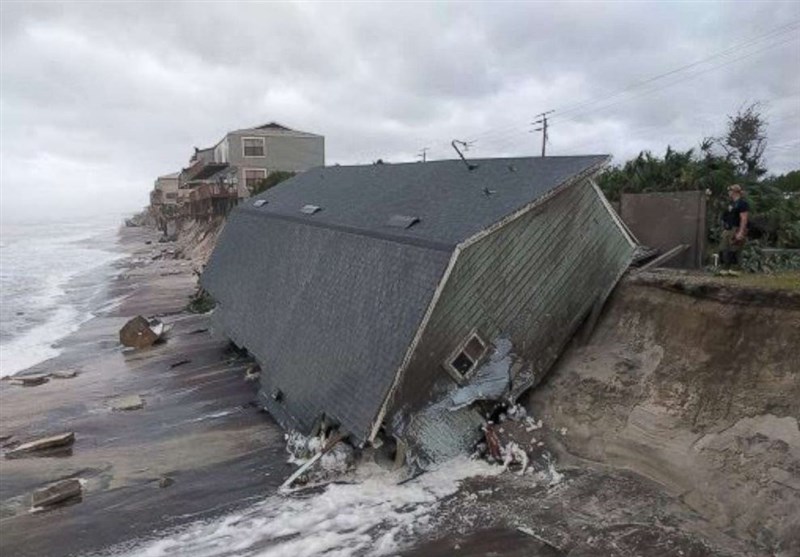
{"points": [[259, 202], [402, 221], [310, 209]]}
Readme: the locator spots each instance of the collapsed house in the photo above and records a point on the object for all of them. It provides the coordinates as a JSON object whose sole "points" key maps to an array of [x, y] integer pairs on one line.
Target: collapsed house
{"points": [[391, 299]]}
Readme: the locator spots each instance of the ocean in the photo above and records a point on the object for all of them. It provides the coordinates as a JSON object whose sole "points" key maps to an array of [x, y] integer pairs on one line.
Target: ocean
{"points": [[53, 277]]}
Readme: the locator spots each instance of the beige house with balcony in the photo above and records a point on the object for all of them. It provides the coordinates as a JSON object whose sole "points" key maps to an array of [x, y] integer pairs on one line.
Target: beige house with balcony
{"points": [[167, 188], [249, 155]]}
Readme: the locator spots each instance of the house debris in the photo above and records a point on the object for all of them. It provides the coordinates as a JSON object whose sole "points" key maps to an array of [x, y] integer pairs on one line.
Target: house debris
{"points": [[32, 380], [408, 303], [57, 492], [141, 333], [60, 441], [127, 403]]}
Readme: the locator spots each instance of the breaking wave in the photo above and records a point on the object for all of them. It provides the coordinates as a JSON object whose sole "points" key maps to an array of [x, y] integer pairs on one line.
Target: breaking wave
{"points": [[373, 515]]}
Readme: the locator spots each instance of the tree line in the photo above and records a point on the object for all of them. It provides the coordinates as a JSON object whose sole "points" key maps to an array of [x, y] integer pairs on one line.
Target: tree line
{"points": [[736, 157]]}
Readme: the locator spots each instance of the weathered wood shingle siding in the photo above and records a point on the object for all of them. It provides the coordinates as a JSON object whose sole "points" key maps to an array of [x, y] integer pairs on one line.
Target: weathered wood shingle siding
{"points": [[532, 280]]}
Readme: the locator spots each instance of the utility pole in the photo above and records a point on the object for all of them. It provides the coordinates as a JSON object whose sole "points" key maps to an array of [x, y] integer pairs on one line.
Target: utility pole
{"points": [[423, 154], [542, 122]]}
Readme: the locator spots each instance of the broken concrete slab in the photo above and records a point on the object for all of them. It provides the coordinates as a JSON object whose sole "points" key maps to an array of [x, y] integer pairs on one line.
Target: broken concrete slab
{"points": [[29, 380], [141, 333], [127, 403], [56, 493], [52, 442], [65, 374]]}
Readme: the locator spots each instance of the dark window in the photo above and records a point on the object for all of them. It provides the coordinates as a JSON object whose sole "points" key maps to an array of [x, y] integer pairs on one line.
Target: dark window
{"points": [[253, 146], [475, 348], [465, 360], [462, 364]]}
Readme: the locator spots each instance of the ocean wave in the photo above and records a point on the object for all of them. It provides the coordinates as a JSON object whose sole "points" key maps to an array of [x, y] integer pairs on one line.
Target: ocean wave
{"points": [[38, 344], [52, 279]]}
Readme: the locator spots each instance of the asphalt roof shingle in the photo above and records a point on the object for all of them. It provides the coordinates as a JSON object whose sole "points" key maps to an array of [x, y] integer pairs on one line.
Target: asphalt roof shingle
{"points": [[451, 202]]}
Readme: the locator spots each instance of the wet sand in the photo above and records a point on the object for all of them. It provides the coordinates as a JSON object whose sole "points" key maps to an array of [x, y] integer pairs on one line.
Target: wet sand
{"points": [[199, 426]]}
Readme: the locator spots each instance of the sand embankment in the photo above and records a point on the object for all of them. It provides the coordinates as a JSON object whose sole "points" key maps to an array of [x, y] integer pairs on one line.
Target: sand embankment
{"points": [[694, 385]]}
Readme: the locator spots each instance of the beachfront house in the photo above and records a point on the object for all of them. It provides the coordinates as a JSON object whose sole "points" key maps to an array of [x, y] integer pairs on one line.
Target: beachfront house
{"points": [[167, 186], [392, 300], [218, 177]]}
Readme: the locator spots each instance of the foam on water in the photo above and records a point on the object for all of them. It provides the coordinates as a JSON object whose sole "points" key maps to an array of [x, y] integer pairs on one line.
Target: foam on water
{"points": [[372, 516], [52, 277]]}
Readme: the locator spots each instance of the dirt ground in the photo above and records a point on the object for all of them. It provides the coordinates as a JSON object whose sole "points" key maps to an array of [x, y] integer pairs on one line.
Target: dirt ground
{"points": [[693, 383]]}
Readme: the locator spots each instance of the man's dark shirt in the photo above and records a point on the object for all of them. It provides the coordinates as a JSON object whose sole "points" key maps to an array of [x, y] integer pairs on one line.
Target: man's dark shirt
{"points": [[732, 218]]}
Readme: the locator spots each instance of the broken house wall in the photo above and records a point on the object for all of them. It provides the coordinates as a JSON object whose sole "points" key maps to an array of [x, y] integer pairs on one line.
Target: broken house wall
{"points": [[664, 220], [532, 281]]}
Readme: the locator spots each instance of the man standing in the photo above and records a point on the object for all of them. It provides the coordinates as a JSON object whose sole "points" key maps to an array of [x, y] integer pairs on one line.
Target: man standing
{"points": [[734, 227]]}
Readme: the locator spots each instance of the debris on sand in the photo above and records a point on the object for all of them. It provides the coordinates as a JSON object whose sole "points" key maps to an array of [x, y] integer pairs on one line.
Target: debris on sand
{"points": [[56, 493], [253, 373], [29, 380], [64, 374], [52, 442], [337, 458], [127, 403], [141, 333]]}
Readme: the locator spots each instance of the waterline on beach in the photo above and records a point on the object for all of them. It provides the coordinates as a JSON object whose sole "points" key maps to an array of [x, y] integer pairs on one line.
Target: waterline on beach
{"points": [[373, 515], [53, 278]]}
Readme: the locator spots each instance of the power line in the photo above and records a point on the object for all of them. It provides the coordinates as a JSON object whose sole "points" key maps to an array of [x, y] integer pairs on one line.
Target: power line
{"points": [[732, 49], [647, 86], [676, 81], [753, 40]]}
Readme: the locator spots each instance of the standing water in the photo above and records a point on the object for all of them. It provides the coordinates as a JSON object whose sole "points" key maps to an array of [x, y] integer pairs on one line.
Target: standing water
{"points": [[52, 277]]}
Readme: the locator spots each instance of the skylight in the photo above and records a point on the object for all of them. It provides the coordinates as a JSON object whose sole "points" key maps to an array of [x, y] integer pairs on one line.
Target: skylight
{"points": [[310, 209]]}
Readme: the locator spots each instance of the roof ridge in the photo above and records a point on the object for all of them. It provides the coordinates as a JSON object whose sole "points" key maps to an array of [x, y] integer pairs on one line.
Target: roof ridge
{"points": [[381, 235]]}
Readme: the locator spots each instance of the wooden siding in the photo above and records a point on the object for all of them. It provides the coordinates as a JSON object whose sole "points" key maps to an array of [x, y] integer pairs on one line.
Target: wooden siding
{"points": [[532, 280]]}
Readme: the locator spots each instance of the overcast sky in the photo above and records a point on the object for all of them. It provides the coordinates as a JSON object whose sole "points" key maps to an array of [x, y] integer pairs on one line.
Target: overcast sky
{"points": [[97, 99]]}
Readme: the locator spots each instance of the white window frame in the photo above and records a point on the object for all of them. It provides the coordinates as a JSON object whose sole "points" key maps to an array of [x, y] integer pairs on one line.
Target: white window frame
{"points": [[263, 148], [246, 170], [461, 349]]}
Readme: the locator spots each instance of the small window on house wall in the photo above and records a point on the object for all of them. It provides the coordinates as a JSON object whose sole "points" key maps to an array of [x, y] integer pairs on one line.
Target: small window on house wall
{"points": [[252, 176], [465, 360], [253, 146]]}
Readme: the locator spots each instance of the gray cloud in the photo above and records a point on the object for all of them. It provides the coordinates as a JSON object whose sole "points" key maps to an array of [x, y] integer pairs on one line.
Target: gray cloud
{"points": [[99, 98]]}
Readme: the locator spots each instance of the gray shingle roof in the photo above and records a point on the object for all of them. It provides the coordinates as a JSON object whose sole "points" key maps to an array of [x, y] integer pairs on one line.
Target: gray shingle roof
{"points": [[329, 302], [452, 203], [329, 315]]}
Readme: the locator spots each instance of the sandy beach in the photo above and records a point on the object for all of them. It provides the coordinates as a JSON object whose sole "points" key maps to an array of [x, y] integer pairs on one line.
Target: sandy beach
{"points": [[199, 426]]}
